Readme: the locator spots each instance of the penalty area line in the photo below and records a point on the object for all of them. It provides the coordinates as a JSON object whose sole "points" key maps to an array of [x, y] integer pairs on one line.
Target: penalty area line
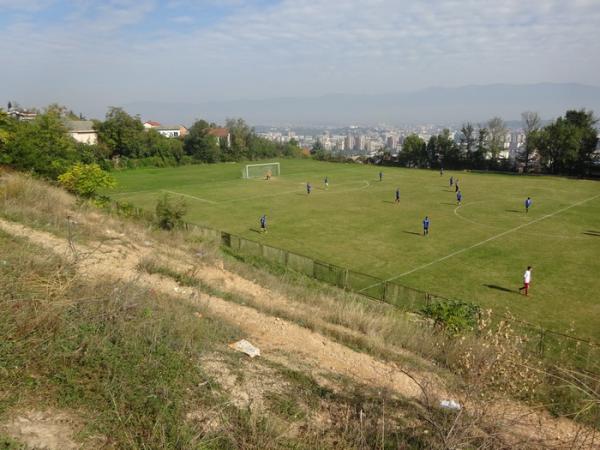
{"points": [[191, 196], [478, 244]]}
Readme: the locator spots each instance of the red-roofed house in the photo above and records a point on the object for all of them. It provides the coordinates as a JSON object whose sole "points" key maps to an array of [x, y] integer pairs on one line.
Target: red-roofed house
{"points": [[151, 124], [222, 135]]}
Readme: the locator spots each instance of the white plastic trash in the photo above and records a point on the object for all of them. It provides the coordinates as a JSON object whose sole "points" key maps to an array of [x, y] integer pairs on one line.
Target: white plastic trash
{"points": [[246, 347], [450, 404]]}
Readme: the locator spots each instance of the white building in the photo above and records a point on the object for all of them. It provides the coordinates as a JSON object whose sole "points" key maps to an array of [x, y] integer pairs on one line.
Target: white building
{"points": [[82, 131]]}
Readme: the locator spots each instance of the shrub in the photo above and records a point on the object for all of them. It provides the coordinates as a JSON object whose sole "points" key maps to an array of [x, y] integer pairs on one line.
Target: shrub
{"points": [[453, 315], [169, 214], [85, 179]]}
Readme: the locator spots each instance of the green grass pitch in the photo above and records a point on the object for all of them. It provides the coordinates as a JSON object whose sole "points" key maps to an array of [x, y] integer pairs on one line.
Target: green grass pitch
{"points": [[475, 252]]}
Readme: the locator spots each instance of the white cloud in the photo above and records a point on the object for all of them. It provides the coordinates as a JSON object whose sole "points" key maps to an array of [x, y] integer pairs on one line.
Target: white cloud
{"points": [[298, 47]]}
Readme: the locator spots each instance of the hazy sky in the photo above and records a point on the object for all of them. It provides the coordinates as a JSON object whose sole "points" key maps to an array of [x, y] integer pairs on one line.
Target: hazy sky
{"points": [[90, 54]]}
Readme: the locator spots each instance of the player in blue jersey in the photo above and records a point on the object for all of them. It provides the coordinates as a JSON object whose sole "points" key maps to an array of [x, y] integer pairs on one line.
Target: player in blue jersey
{"points": [[527, 204], [451, 181], [380, 176], [263, 223], [308, 188], [426, 226], [397, 195], [458, 198]]}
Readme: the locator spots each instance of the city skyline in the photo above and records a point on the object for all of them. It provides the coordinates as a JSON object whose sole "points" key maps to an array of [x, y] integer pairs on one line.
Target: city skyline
{"points": [[91, 55]]}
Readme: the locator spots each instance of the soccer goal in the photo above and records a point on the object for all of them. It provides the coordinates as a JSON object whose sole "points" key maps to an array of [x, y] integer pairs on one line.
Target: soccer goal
{"points": [[261, 170]]}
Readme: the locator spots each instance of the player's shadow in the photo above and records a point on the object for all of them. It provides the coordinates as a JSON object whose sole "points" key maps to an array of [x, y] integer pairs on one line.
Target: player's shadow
{"points": [[412, 232], [256, 230], [451, 204], [500, 288], [592, 233], [513, 210], [389, 201]]}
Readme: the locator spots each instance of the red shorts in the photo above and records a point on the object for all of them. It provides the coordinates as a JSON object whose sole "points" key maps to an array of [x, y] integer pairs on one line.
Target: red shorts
{"points": [[526, 285]]}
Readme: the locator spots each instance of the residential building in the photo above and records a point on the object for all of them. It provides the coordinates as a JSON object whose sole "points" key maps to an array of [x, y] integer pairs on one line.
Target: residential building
{"points": [[222, 135], [82, 131]]}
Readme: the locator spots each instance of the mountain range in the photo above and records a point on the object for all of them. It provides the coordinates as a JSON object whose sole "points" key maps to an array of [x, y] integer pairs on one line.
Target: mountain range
{"points": [[439, 105]]}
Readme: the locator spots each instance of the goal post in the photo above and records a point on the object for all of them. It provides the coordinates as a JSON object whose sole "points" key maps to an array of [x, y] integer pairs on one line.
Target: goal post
{"points": [[261, 170]]}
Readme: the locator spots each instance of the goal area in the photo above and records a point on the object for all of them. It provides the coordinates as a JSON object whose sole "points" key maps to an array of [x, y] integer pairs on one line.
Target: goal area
{"points": [[261, 170]]}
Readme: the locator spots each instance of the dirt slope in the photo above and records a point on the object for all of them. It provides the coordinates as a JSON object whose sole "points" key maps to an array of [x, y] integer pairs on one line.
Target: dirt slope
{"points": [[280, 340]]}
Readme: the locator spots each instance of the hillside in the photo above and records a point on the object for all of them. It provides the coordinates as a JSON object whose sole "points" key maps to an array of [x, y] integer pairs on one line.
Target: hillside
{"points": [[114, 334]]}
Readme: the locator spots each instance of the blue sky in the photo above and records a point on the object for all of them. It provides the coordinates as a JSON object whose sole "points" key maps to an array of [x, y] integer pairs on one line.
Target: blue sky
{"points": [[91, 54]]}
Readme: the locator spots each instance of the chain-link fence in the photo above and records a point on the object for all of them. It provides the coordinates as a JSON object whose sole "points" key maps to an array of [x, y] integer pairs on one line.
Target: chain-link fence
{"points": [[550, 345]]}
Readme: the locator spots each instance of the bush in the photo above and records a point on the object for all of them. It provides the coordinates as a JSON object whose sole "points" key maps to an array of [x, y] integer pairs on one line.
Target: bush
{"points": [[169, 214], [85, 179], [452, 315]]}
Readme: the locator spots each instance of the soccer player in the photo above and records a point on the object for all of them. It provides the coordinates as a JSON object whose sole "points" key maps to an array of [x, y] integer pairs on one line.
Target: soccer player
{"points": [[326, 182], [397, 195], [527, 204], [426, 226], [458, 198], [526, 280], [456, 188], [308, 187], [451, 181], [263, 223], [268, 176], [441, 171], [380, 176]]}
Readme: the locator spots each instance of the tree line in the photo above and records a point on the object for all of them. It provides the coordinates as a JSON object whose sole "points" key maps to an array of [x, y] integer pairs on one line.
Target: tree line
{"points": [[567, 145], [44, 146]]}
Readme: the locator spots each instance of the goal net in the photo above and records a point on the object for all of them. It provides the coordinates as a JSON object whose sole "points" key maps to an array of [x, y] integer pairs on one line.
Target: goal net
{"points": [[261, 170]]}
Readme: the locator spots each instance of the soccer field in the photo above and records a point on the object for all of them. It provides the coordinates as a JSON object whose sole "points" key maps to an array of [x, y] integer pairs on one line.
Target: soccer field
{"points": [[476, 252]]}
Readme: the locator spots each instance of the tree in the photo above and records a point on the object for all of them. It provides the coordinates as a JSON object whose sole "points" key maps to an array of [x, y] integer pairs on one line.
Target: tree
{"points": [[414, 152], [482, 149], [240, 139], [567, 145], [318, 151], [121, 133], [496, 138], [447, 150], [42, 146], [7, 126], [200, 145], [468, 141], [170, 214], [86, 179], [531, 125]]}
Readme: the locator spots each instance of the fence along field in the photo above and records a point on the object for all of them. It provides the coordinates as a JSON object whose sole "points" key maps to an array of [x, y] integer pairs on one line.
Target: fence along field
{"points": [[475, 252]]}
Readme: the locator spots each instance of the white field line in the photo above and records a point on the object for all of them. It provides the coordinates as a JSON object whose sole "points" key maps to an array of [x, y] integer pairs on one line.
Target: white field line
{"points": [[191, 196], [301, 189], [458, 252]]}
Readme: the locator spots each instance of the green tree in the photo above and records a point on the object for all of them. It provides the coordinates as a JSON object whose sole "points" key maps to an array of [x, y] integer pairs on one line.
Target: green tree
{"points": [[121, 133], [531, 126], [86, 179], [468, 141], [567, 145], [200, 145], [169, 214], [42, 146], [7, 126], [482, 147], [496, 138], [241, 134], [414, 152]]}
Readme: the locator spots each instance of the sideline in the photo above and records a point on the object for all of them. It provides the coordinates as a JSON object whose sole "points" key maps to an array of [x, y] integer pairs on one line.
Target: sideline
{"points": [[504, 233]]}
